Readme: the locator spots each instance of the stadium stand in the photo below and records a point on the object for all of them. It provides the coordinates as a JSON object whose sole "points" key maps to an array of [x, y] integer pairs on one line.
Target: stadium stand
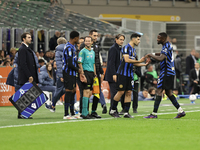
{"points": [[42, 15]]}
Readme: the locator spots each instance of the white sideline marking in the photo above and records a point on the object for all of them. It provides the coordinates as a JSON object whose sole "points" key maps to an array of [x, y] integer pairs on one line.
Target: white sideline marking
{"points": [[43, 123]]}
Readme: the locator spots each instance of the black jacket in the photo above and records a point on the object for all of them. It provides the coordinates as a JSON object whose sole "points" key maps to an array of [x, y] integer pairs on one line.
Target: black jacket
{"points": [[189, 64], [53, 42], [96, 49], [113, 62], [193, 76], [26, 65]]}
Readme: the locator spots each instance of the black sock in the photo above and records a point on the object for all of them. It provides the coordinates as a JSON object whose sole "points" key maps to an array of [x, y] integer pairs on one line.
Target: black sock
{"points": [[95, 103], [127, 106], [114, 106], [174, 101], [157, 103], [72, 104], [67, 102]]}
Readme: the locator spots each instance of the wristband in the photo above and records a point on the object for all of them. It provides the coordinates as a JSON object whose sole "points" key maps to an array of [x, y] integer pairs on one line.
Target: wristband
{"points": [[153, 53]]}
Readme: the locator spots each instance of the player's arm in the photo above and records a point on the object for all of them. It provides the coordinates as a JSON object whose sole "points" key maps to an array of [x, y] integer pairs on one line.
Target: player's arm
{"points": [[128, 60], [140, 64], [161, 57]]}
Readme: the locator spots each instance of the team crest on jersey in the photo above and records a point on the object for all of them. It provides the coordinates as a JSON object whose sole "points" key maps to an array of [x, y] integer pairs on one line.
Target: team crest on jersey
{"points": [[91, 56], [120, 86]]}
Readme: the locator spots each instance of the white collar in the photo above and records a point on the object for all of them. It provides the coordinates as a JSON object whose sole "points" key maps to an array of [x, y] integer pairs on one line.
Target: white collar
{"points": [[25, 44]]}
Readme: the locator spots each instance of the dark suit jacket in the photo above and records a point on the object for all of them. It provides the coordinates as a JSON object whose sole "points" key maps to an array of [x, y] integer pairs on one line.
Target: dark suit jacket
{"points": [[26, 65], [189, 64], [113, 62], [193, 76]]}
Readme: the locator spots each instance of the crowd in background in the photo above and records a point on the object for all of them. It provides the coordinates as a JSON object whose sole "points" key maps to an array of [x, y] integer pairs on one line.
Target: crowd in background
{"points": [[148, 80]]}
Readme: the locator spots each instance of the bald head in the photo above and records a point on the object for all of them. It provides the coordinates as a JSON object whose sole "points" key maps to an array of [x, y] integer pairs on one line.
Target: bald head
{"points": [[193, 52]]}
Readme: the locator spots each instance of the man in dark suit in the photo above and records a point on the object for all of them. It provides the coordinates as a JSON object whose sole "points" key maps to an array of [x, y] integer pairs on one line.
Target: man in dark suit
{"points": [[195, 79], [27, 68], [113, 64], [190, 61]]}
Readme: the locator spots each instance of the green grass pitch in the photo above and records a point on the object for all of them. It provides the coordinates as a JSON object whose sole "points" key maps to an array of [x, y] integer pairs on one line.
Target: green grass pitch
{"points": [[48, 131]]}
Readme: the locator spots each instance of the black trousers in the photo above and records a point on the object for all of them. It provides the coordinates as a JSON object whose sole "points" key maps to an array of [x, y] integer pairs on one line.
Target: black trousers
{"points": [[135, 95], [113, 92]]}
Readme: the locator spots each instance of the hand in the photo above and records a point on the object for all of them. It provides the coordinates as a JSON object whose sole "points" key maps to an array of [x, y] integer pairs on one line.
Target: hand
{"points": [[115, 78], [30, 79], [142, 59], [195, 81], [154, 82], [61, 79], [83, 78], [102, 77], [146, 56]]}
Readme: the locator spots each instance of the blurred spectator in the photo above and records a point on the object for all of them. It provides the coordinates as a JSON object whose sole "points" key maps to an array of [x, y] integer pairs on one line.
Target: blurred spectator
{"points": [[6, 62], [143, 95], [104, 64], [190, 61], [174, 41], [46, 78], [37, 54], [41, 62], [152, 91], [32, 38], [197, 57], [12, 61], [13, 51], [41, 56], [177, 64], [47, 56], [150, 77], [2, 57], [54, 71], [53, 41], [195, 79], [81, 40], [41, 39]]}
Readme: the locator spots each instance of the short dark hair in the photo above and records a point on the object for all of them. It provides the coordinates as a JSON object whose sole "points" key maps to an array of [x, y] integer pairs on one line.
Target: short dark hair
{"points": [[40, 61], [119, 35], [82, 38], [91, 31], [23, 36], [163, 34], [74, 34], [88, 37], [151, 89], [135, 35]]}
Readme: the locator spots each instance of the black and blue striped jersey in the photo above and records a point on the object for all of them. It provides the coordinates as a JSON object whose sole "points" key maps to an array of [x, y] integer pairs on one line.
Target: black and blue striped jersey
{"points": [[69, 52], [126, 69], [167, 65]]}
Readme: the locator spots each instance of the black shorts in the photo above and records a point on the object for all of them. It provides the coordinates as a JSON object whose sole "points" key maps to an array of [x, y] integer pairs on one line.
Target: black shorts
{"points": [[124, 83], [69, 81], [165, 82], [90, 79]]}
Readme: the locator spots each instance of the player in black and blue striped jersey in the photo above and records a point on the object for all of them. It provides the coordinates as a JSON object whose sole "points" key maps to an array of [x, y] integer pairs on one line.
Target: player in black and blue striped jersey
{"points": [[125, 82], [70, 68], [166, 78]]}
